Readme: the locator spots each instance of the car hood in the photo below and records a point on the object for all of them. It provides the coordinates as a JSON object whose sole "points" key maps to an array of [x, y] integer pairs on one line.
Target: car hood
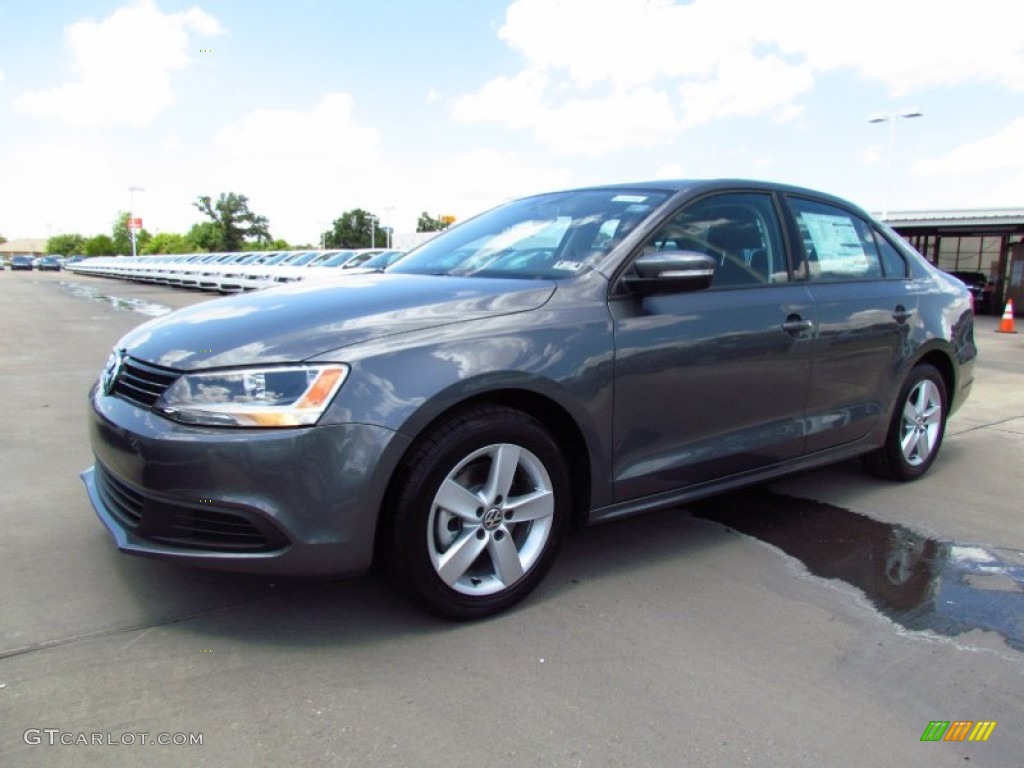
{"points": [[294, 323]]}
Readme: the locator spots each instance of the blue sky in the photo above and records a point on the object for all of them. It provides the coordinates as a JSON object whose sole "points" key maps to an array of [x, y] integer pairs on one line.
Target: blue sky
{"points": [[311, 108]]}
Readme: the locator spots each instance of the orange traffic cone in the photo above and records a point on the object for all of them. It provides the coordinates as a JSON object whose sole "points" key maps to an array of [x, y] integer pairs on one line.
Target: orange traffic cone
{"points": [[1006, 324]]}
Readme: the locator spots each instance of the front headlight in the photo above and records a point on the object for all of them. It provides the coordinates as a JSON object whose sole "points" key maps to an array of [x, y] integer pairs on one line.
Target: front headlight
{"points": [[284, 396]]}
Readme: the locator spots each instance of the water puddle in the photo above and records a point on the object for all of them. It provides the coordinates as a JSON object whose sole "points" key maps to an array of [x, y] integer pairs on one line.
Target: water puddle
{"points": [[141, 306], [920, 583]]}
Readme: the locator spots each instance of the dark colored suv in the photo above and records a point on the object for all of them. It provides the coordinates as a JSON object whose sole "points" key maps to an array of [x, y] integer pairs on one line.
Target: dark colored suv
{"points": [[47, 263], [982, 290]]}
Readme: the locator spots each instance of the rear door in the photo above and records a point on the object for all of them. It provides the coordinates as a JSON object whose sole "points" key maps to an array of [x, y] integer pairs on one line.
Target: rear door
{"points": [[865, 305]]}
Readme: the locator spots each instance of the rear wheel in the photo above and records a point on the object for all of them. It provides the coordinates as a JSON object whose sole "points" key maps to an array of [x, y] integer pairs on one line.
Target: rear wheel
{"points": [[479, 513], [918, 425]]}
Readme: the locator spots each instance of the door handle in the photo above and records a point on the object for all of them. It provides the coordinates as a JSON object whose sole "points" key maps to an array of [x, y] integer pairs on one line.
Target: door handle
{"points": [[796, 325], [901, 314]]}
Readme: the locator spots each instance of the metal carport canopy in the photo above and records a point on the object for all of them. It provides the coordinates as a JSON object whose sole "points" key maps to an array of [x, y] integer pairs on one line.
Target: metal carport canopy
{"points": [[993, 221]]}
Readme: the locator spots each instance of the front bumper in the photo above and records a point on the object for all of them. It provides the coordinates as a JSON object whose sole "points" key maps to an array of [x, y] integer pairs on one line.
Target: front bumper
{"points": [[290, 501]]}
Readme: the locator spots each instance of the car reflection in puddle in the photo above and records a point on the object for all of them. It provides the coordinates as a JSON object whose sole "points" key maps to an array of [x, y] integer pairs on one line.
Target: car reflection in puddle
{"points": [[920, 583], [141, 306]]}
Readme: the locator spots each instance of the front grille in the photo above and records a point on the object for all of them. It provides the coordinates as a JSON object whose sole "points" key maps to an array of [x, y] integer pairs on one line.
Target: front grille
{"points": [[122, 502], [190, 526], [141, 383], [207, 527]]}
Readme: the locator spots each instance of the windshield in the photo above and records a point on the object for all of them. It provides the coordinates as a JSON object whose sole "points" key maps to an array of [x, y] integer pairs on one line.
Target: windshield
{"points": [[272, 257], [549, 236], [296, 258], [359, 260], [382, 260], [337, 259]]}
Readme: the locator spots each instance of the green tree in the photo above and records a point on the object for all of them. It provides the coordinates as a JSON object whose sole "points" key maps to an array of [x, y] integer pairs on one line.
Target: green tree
{"points": [[65, 245], [277, 244], [234, 222], [2, 239], [122, 236], [168, 242], [100, 245], [204, 236], [428, 223], [356, 229]]}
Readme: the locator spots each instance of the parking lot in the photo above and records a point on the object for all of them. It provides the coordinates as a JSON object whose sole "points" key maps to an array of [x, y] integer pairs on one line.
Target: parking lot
{"points": [[823, 620]]}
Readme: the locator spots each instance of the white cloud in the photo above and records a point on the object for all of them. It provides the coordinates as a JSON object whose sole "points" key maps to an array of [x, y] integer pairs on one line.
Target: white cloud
{"points": [[61, 187], [907, 45], [123, 66], [1001, 150], [471, 182], [988, 172], [1004, 191], [872, 155], [328, 133], [788, 113], [630, 42], [604, 77], [712, 59], [515, 101], [671, 171], [305, 166], [577, 124], [172, 142], [625, 118], [745, 85]]}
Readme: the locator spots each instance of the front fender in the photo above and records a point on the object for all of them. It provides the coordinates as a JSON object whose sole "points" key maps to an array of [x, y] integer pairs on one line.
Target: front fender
{"points": [[561, 355]]}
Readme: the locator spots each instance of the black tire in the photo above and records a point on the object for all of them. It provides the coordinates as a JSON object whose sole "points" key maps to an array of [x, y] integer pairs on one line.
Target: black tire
{"points": [[916, 430], [455, 542]]}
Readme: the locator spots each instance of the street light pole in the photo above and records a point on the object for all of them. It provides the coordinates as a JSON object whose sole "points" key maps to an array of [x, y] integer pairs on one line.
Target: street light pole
{"points": [[131, 215], [373, 229], [891, 119], [389, 209]]}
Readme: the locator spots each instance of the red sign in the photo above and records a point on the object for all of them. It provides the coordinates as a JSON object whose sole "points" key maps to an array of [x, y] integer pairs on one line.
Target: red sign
{"points": [[134, 223]]}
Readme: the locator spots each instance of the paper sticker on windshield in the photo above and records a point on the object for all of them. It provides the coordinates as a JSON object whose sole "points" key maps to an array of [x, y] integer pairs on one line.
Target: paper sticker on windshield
{"points": [[629, 199], [569, 266]]}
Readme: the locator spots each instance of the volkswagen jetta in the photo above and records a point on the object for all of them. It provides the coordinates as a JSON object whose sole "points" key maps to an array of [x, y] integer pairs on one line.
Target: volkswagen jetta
{"points": [[565, 359]]}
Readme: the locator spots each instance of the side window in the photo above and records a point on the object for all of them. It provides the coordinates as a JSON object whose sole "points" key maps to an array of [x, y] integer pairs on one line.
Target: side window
{"points": [[893, 262], [739, 230], [838, 245]]}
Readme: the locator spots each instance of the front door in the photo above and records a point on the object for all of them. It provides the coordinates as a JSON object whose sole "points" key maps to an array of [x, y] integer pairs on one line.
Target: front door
{"points": [[713, 383]]}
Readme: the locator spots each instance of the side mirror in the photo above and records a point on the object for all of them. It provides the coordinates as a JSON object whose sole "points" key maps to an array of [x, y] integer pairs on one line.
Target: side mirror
{"points": [[670, 272]]}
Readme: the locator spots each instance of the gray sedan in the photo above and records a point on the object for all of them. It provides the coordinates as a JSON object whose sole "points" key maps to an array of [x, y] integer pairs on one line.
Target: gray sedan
{"points": [[562, 360]]}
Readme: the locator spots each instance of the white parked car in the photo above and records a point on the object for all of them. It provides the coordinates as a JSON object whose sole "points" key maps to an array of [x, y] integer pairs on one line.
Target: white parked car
{"points": [[357, 264]]}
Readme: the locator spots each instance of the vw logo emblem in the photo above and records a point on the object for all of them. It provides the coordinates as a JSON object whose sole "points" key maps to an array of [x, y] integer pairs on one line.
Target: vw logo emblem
{"points": [[492, 518], [111, 371]]}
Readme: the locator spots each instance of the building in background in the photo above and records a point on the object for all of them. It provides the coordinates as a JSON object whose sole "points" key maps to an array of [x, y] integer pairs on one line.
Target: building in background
{"points": [[990, 242], [30, 246]]}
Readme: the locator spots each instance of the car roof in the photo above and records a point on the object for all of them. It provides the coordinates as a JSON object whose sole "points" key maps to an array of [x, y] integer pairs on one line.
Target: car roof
{"points": [[711, 184], [698, 186]]}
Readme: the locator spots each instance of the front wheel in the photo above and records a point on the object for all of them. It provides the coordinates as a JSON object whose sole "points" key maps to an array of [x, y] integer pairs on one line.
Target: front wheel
{"points": [[918, 425], [479, 512]]}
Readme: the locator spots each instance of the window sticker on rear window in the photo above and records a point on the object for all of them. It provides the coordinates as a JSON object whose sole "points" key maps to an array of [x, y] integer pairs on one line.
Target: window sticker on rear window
{"points": [[629, 199], [836, 243]]}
